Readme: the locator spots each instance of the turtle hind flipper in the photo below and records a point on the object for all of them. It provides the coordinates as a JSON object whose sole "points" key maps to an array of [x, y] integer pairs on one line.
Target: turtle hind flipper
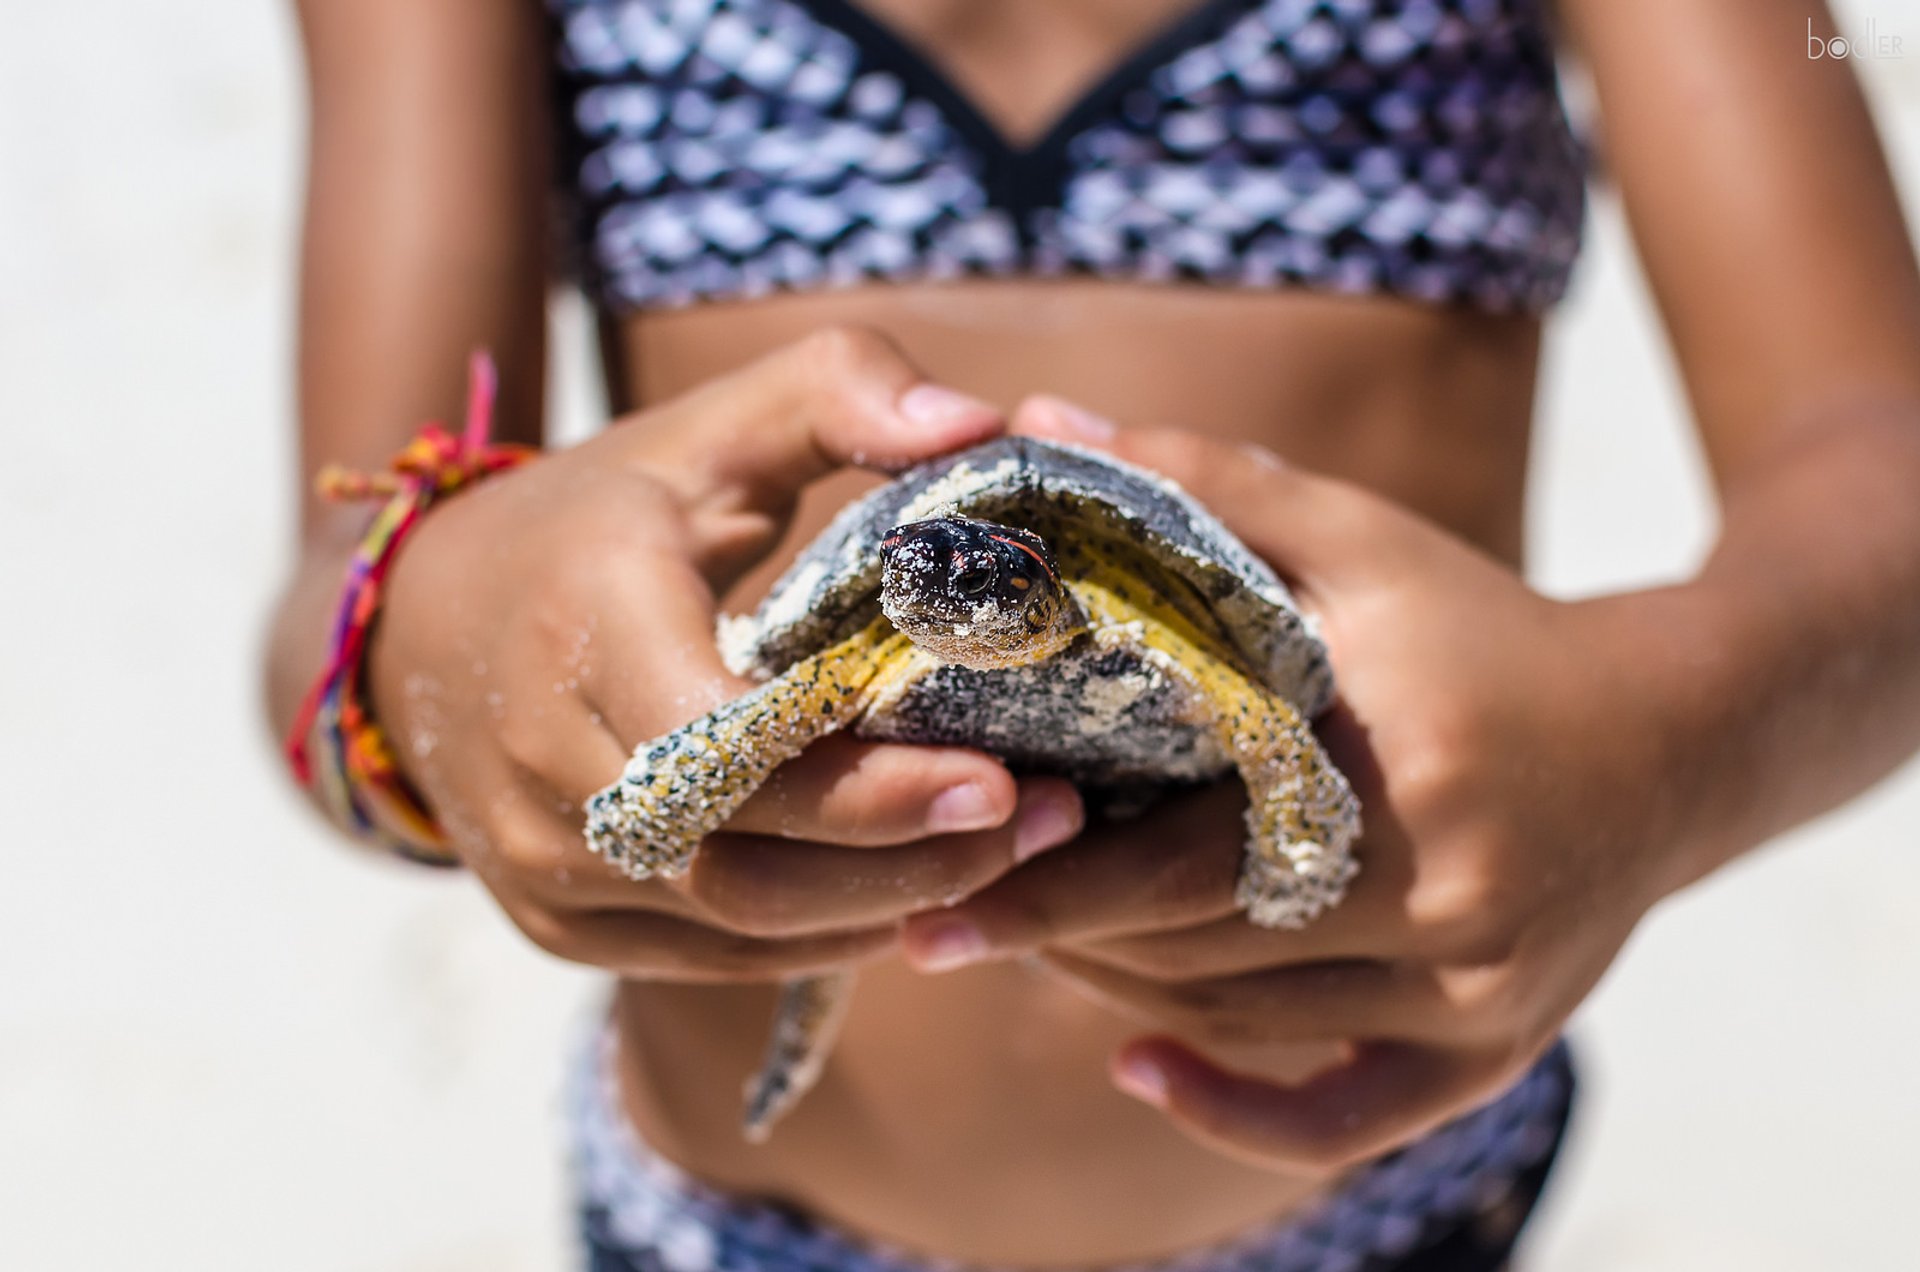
{"points": [[804, 1026], [680, 788]]}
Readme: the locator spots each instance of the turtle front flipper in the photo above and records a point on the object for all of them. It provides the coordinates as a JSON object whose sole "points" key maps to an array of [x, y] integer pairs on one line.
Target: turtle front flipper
{"points": [[680, 788], [1302, 817], [804, 1027]]}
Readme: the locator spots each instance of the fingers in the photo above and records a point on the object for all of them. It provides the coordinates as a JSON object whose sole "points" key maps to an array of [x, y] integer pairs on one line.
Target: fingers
{"points": [[1153, 896], [1173, 867], [576, 906], [775, 884], [654, 946], [768, 888], [1313, 1002], [1385, 1096], [1233, 946], [844, 395], [773, 887], [864, 794], [1318, 531]]}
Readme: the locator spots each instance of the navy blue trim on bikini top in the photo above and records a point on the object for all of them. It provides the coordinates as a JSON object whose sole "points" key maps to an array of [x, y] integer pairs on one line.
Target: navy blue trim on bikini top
{"points": [[724, 149]]}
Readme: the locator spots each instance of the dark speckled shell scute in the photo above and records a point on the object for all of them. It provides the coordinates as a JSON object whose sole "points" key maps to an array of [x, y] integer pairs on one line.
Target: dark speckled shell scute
{"points": [[830, 590]]}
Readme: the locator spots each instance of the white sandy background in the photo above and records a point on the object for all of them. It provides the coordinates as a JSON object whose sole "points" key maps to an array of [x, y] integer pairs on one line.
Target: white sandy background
{"points": [[226, 1042]]}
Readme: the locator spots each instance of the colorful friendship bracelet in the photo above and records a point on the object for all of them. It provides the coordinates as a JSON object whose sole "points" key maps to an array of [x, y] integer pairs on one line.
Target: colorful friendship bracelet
{"points": [[336, 747]]}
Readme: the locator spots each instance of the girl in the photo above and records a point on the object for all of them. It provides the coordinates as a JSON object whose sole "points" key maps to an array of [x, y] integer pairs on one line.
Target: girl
{"points": [[828, 237]]}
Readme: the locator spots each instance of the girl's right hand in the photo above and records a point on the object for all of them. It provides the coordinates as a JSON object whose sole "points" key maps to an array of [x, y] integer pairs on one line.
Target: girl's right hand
{"points": [[539, 627]]}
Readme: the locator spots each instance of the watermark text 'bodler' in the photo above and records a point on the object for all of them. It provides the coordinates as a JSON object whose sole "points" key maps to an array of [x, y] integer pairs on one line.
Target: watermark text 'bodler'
{"points": [[1877, 44]]}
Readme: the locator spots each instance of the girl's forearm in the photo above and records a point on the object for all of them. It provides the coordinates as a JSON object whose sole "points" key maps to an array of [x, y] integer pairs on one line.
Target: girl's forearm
{"points": [[1785, 677], [424, 239]]}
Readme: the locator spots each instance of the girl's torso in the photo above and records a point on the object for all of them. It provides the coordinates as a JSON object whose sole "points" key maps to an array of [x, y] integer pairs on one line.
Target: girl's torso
{"points": [[970, 1114]]}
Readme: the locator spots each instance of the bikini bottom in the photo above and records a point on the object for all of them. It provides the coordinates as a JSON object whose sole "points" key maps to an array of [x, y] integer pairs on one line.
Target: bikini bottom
{"points": [[1455, 1201]]}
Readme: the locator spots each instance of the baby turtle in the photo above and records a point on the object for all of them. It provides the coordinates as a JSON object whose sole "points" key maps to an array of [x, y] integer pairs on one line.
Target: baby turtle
{"points": [[1070, 613]]}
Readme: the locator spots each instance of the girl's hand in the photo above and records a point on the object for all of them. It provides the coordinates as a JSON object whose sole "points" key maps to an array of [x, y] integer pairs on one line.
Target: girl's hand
{"points": [[1509, 766], [541, 626]]}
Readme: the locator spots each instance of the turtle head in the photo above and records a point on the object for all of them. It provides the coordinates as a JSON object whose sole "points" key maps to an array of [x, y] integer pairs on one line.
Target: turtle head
{"points": [[976, 593]]}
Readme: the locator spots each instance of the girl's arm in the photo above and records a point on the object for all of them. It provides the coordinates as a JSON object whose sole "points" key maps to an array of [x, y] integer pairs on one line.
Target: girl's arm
{"points": [[1771, 234], [424, 239], [540, 626], [1537, 774]]}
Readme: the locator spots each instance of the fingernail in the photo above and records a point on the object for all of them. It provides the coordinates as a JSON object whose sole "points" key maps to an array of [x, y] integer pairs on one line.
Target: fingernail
{"points": [[936, 406], [1049, 821], [1142, 1079], [949, 945], [1078, 421], [958, 808]]}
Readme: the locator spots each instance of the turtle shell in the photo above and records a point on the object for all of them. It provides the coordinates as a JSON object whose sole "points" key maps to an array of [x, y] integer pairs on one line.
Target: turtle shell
{"points": [[832, 588]]}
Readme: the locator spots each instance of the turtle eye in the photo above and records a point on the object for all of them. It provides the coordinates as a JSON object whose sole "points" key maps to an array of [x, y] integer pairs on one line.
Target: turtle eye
{"points": [[974, 580]]}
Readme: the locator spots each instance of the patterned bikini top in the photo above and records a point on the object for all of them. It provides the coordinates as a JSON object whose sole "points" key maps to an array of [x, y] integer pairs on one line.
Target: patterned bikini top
{"points": [[723, 149]]}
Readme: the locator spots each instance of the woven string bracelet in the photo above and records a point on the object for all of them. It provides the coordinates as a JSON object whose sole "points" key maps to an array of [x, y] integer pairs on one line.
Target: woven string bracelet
{"points": [[336, 747]]}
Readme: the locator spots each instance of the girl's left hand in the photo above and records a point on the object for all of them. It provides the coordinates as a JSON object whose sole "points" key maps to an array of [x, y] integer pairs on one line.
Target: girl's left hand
{"points": [[1511, 762]]}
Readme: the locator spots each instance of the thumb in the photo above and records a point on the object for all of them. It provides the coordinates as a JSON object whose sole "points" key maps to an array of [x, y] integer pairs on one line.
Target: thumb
{"points": [[842, 396], [1325, 535]]}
